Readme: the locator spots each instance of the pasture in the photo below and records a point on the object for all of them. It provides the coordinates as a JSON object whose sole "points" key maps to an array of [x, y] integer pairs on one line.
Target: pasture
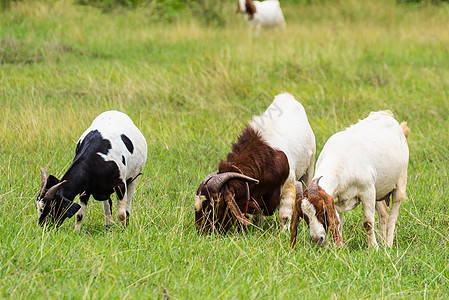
{"points": [[191, 88]]}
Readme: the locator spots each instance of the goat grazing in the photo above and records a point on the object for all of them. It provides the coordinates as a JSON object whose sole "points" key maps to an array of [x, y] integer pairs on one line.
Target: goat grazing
{"points": [[258, 175], [366, 163], [109, 156], [262, 14]]}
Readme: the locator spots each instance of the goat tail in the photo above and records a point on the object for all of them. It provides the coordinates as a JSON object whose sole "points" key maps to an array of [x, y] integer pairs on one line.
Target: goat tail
{"points": [[405, 130]]}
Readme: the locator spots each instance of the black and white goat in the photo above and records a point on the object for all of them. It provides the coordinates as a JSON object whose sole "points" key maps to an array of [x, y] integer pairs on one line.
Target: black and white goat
{"points": [[258, 176], [109, 157]]}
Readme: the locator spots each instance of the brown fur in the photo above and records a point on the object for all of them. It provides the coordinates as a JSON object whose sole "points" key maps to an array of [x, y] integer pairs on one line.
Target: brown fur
{"points": [[253, 157], [325, 213], [297, 213], [332, 218], [250, 9], [405, 130]]}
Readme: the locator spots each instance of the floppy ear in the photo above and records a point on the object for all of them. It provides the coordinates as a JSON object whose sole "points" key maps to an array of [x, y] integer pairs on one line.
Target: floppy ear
{"points": [[295, 222], [51, 181], [233, 207], [332, 218], [69, 208], [296, 213]]}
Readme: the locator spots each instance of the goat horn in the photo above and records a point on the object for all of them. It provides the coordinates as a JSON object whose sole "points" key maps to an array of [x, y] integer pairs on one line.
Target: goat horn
{"points": [[298, 190], [43, 182], [205, 182], [52, 191], [216, 182], [312, 189]]}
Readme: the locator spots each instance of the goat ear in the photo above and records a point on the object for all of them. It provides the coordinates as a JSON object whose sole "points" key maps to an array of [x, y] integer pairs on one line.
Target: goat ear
{"points": [[332, 218], [70, 208], [234, 208], [51, 181], [295, 220]]}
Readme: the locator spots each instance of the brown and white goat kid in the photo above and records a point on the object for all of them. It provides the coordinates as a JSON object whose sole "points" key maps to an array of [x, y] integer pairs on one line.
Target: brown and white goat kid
{"points": [[366, 163], [258, 176]]}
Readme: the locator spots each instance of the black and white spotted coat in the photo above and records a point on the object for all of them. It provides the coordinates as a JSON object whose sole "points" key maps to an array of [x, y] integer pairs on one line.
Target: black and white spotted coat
{"points": [[109, 157]]}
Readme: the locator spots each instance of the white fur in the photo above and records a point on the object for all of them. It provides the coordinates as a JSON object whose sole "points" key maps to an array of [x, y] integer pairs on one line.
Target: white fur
{"points": [[268, 14], [112, 124], [363, 164], [199, 202], [284, 126], [40, 205]]}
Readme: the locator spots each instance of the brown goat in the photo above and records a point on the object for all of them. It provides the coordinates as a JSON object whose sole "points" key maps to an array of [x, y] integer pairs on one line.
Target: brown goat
{"points": [[258, 176], [217, 206]]}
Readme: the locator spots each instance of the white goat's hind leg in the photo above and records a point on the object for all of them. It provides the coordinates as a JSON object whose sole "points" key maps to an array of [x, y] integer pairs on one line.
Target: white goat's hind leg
{"points": [[288, 194], [369, 205], [81, 213], [382, 214], [121, 203], [399, 195], [107, 208]]}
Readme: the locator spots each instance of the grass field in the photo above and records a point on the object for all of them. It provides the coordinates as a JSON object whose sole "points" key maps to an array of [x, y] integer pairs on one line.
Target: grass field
{"points": [[191, 89]]}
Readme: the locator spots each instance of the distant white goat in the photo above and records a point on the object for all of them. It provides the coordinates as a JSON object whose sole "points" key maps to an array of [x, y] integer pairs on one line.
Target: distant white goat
{"points": [[262, 14], [366, 163]]}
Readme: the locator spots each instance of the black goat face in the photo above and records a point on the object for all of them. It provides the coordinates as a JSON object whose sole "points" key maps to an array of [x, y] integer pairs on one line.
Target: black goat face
{"points": [[52, 208], [55, 211], [211, 214]]}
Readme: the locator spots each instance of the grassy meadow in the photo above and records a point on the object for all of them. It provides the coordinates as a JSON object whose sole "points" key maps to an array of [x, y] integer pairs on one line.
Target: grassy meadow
{"points": [[191, 88]]}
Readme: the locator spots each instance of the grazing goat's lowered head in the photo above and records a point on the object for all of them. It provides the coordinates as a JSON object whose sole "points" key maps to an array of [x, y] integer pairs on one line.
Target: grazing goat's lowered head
{"points": [[51, 207], [215, 206], [317, 208], [246, 7]]}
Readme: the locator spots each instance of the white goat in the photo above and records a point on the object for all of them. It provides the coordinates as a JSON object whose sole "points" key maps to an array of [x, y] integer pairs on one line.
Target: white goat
{"points": [[366, 163], [262, 14]]}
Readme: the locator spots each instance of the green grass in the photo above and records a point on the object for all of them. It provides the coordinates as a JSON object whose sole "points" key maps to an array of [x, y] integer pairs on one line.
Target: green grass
{"points": [[191, 89]]}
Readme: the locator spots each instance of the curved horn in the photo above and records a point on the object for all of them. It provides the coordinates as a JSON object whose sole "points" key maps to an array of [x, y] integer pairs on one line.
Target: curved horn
{"points": [[217, 181], [205, 182], [312, 189], [298, 190], [43, 182], [52, 191]]}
